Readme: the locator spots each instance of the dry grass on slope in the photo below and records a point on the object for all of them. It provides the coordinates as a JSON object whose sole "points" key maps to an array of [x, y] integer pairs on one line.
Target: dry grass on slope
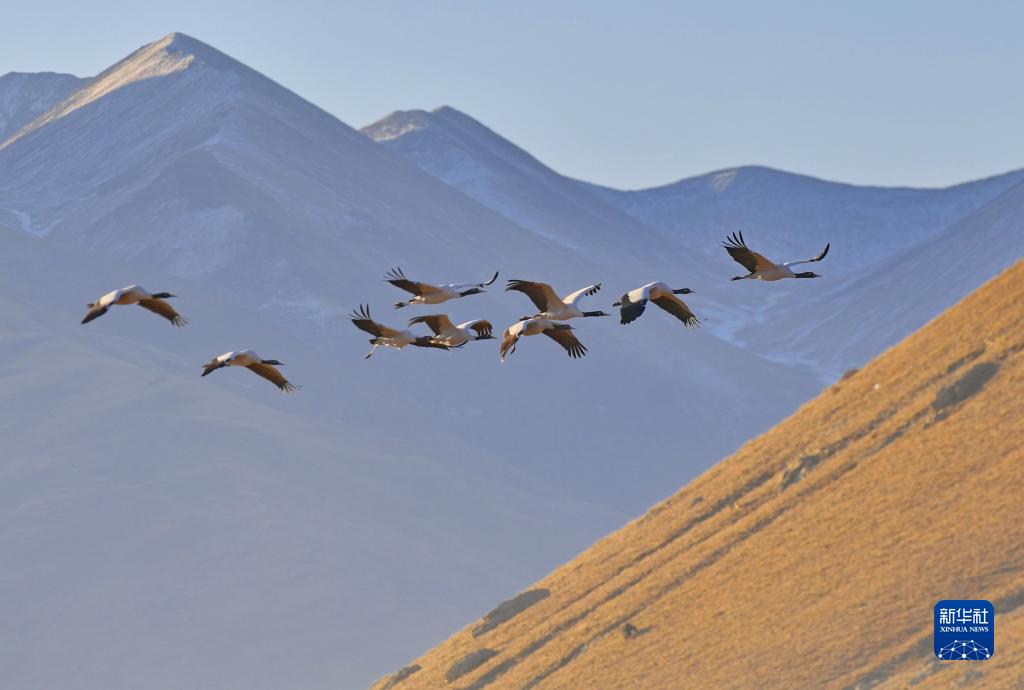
{"points": [[814, 555]]}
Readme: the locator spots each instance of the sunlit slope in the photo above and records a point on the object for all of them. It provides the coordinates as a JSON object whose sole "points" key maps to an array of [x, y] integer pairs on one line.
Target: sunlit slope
{"points": [[814, 555]]}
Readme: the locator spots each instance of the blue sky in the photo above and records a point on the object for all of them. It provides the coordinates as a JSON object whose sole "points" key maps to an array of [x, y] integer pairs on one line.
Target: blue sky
{"points": [[626, 94]]}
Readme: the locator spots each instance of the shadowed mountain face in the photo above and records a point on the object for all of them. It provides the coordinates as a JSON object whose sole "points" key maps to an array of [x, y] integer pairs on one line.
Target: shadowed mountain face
{"points": [[463, 153], [26, 96], [813, 556], [881, 237], [791, 216], [317, 539]]}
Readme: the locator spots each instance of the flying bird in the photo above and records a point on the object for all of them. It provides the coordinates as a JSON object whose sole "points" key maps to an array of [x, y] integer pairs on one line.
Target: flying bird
{"points": [[550, 304], [445, 333], [389, 337], [134, 294], [254, 363], [632, 304], [561, 333], [761, 268], [424, 293]]}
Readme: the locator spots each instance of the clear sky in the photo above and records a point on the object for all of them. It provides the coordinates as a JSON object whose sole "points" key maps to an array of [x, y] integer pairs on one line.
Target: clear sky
{"points": [[629, 94]]}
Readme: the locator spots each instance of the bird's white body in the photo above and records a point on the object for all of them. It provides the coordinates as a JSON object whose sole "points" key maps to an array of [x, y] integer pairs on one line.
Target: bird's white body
{"points": [[551, 306], [649, 292], [385, 336], [240, 358], [534, 326], [763, 268], [773, 272], [559, 332], [568, 307], [396, 339], [425, 293], [519, 329], [457, 335], [264, 368], [135, 294], [633, 303], [439, 294], [132, 294]]}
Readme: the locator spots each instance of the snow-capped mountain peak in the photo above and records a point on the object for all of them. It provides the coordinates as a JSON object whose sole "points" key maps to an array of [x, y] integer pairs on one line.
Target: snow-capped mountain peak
{"points": [[173, 53], [396, 124]]}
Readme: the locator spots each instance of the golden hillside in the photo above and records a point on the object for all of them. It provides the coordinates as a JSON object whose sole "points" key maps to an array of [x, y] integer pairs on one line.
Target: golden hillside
{"points": [[814, 555]]}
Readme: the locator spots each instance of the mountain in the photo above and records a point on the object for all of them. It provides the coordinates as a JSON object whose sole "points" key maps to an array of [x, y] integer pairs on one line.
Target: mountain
{"points": [[465, 154], [813, 556], [792, 216], [784, 215], [231, 173], [26, 96], [900, 293], [159, 517]]}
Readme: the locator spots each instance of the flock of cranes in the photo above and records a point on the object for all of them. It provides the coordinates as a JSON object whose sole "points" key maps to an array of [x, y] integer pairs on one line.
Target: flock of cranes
{"points": [[552, 312]]}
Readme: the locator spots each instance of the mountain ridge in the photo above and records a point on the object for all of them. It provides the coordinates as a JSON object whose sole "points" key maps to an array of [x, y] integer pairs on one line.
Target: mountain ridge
{"points": [[24, 96], [785, 216]]}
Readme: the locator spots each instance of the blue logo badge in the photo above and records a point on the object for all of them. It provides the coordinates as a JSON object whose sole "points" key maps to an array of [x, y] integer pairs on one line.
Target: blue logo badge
{"points": [[964, 630]]}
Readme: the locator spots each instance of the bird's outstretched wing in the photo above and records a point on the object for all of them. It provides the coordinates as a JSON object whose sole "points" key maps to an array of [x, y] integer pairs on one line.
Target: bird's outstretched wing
{"points": [[459, 287], [95, 312], [677, 308], [819, 257], [158, 306], [567, 339], [270, 373], [541, 294], [630, 311], [397, 278], [508, 344], [438, 323], [574, 297], [741, 254], [428, 341], [363, 321], [482, 327]]}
